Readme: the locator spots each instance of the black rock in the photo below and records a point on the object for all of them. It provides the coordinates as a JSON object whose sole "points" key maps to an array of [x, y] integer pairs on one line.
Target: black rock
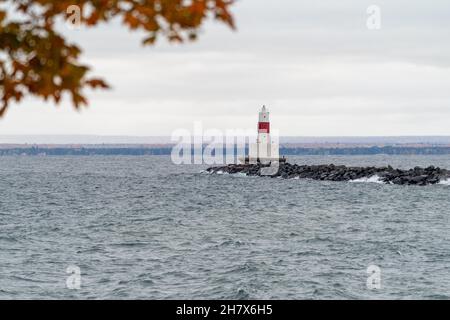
{"points": [[417, 176]]}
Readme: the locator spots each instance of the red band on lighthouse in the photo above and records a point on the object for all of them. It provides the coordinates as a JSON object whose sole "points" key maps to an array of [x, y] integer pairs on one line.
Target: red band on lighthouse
{"points": [[264, 127]]}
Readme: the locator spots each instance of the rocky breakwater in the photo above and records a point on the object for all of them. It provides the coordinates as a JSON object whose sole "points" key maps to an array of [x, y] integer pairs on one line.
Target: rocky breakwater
{"points": [[416, 176]]}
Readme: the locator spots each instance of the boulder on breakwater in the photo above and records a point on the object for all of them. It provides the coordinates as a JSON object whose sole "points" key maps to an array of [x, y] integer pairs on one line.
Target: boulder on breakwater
{"points": [[416, 176]]}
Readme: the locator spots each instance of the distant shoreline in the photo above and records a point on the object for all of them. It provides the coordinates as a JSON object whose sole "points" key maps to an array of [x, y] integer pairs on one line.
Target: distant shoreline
{"points": [[287, 149]]}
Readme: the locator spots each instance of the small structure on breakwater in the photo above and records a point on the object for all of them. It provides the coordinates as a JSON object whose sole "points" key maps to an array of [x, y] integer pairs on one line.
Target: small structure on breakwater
{"points": [[389, 175], [265, 150]]}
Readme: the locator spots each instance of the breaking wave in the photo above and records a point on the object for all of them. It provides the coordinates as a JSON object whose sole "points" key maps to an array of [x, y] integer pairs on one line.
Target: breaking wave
{"points": [[372, 179], [445, 182], [221, 172], [239, 174]]}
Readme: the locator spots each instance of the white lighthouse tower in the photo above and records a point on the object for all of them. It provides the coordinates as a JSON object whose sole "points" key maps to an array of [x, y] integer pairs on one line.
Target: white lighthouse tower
{"points": [[264, 150]]}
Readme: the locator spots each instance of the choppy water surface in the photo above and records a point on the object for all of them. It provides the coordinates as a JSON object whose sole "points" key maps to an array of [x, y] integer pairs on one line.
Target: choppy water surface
{"points": [[141, 227]]}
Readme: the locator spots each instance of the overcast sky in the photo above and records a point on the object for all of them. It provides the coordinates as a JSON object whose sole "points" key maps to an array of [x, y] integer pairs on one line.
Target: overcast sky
{"points": [[315, 64]]}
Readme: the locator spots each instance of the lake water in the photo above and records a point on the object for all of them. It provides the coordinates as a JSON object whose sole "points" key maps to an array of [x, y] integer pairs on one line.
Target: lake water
{"points": [[144, 228]]}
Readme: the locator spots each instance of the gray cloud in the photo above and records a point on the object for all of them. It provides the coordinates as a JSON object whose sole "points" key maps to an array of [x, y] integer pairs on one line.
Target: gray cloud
{"points": [[316, 65]]}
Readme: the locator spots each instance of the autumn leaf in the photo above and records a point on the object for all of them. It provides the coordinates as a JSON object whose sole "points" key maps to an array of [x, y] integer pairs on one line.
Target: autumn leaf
{"points": [[36, 60], [97, 83]]}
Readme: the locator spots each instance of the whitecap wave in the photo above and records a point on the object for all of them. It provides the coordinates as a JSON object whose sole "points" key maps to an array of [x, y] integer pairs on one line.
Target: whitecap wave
{"points": [[372, 179], [445, 182], [239, 174]]}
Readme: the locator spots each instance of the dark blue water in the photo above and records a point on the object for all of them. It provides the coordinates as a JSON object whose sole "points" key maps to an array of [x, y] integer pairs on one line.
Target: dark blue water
{"points": [[141, 227]]}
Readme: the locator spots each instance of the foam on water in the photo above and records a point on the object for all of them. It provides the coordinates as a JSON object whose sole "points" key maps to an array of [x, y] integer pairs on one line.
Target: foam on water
{"points": [[372, 179], [445, 182], [239, 174]]}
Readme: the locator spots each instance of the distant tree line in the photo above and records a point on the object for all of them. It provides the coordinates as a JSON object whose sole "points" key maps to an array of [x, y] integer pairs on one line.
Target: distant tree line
{"points": [[166, 150], [389, 150]]}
